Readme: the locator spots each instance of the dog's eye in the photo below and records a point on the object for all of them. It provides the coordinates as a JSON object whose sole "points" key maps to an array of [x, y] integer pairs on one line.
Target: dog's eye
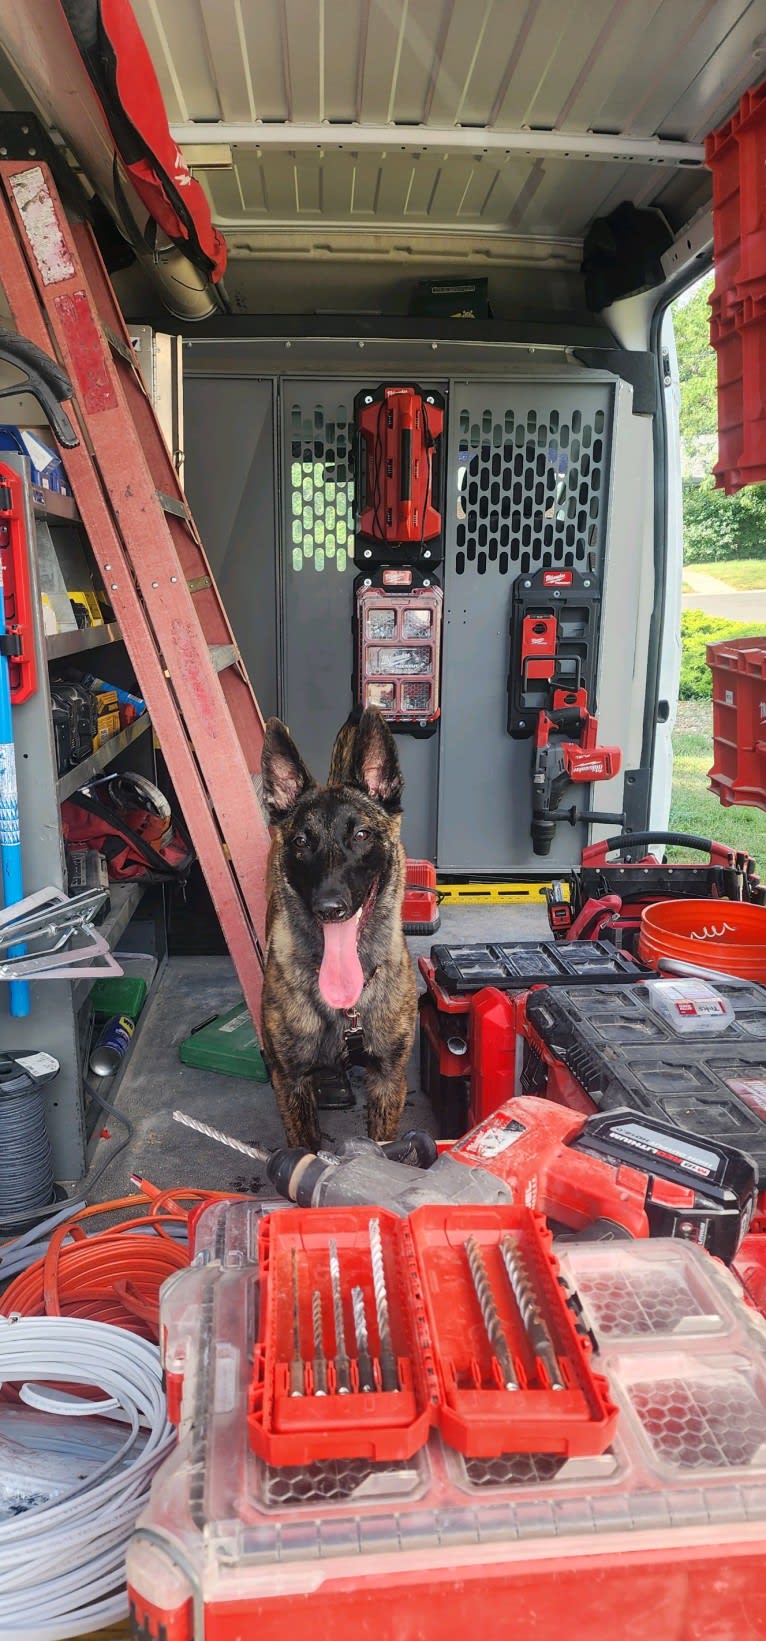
{"points": [[300, 841], [361, 834]]}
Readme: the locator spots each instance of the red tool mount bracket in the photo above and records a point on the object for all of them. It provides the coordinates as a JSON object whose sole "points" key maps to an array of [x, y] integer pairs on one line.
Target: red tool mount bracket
{"points": [[18, 642], [399, 470], [554, 642]]}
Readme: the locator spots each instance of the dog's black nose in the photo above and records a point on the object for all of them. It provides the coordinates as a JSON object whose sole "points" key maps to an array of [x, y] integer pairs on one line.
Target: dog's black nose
{"points": [[331, 908]]}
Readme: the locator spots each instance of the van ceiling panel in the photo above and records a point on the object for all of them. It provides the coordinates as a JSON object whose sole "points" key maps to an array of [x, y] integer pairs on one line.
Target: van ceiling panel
{"points": [[411, 101]]}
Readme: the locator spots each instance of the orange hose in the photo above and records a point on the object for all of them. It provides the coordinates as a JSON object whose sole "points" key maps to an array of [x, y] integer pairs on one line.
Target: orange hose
{"points": [[113, 1275]]}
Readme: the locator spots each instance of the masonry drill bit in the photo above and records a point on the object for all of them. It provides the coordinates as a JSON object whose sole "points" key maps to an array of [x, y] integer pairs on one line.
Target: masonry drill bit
{"points": [[296, 1365], [489, 1313], [342, 1364], [524, 1293], [320, 1360], [255, 1151], [389, 1373], [363, 1358]]}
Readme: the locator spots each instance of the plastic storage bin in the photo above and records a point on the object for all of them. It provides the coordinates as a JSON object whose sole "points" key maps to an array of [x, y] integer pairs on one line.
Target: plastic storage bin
{"points": [[664, 1532], [738, 772]]}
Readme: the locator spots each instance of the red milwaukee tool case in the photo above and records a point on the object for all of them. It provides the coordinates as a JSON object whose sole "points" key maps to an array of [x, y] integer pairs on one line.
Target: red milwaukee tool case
{"points": [[449, 1375]]}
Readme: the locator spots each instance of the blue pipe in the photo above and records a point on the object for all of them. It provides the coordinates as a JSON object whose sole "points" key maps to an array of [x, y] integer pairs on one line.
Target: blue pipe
{"points": [[10, 828]]}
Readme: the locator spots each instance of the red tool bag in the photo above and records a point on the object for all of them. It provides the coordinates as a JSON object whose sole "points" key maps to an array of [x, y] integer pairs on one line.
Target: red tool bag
{"points": [[129, 822]]}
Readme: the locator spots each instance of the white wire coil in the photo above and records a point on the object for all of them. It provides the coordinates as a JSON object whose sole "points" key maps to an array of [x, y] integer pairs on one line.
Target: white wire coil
{"points": [[62, 1563]]}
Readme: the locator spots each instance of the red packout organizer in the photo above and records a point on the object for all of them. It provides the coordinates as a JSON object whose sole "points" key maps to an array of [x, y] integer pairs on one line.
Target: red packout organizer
{"points": [[398, 474], [663, 1528]]}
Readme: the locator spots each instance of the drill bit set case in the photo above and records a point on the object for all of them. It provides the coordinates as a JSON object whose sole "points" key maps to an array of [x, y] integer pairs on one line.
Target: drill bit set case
{"points": [[461, 1322]]}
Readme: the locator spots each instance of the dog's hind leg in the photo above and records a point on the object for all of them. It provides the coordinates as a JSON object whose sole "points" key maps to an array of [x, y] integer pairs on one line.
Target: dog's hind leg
{"points": [[386, 1094], [297, 1108]]}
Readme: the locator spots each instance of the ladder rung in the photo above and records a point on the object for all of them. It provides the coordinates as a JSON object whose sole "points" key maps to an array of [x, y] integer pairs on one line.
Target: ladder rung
{"points": [[118, 346], [223, 655], [171, 504]]}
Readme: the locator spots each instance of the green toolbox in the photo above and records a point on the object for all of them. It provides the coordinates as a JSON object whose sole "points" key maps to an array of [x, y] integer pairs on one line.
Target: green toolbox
{"points": [[122, 995], [226, 1042]]}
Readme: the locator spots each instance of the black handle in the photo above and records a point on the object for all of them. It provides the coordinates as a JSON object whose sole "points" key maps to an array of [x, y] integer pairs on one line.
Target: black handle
{"points": [[415, 1148], [44, 378], [405, 473], [594, 817], [360, 471], [687, 840]]}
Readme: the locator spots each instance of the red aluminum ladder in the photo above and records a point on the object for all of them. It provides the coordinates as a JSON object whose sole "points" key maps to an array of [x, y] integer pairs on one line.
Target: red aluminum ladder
{"points": [[148, 551]]}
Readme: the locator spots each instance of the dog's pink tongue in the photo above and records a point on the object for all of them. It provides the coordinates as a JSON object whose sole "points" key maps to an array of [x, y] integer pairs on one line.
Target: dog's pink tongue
{"points": [[340, 978]]}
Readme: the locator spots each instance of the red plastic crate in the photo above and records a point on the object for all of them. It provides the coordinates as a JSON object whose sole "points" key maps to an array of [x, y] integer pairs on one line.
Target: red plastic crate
{"points": [[449, 1378], [750, 124], [496, 1044], [736, 156], [738, 772], [445, 1069], [420, 910]]}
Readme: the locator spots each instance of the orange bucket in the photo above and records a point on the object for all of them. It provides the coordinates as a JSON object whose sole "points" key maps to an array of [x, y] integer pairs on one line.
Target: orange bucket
{"points": [[726, 935]]}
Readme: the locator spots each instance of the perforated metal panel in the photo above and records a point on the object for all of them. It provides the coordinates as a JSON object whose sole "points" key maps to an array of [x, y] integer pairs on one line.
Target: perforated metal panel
{"points": [[530, 486], [321, 484], [528, 466], [317, 568]]}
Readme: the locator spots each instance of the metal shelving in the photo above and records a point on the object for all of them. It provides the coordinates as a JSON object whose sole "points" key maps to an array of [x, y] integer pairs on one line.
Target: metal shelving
{"points": [[125, 899], [60, 644], [58, 1018], [106, 754], [48, 504]]}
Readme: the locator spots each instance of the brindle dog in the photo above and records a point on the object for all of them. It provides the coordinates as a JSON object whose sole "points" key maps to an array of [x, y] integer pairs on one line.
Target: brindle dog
{"points": [[336, 956]]}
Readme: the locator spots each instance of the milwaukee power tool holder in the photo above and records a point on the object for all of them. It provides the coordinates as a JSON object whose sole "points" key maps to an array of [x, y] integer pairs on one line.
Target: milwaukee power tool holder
{"points": [[398, 470], [554, 642]]}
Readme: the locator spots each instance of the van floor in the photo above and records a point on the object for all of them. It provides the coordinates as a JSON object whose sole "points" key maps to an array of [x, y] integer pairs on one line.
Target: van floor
{"points": [[155, 1082]]}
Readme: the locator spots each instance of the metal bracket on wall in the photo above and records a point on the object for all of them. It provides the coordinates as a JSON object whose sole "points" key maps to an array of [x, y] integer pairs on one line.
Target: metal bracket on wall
{"points": [[639, 369], [635, 798]]}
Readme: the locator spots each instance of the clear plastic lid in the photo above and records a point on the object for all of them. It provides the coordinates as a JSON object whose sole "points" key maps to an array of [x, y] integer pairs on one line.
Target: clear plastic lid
{"points": [[691, 1006]]}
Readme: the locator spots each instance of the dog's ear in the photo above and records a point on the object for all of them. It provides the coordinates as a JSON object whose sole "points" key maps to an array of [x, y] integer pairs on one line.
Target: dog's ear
{"points": [[375, 761], [341, 758], [285, 776]]}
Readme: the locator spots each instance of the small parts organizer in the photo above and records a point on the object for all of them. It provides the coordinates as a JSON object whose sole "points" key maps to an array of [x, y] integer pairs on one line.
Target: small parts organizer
{"points": [[373, 1329]]}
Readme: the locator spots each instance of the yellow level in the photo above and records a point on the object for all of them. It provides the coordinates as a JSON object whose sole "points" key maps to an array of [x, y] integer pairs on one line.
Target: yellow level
{"points": [[493, 894]]}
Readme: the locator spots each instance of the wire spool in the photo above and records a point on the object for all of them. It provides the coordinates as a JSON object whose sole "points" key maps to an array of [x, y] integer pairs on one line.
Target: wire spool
{"points": [[26, 1161], [62, 1563]]}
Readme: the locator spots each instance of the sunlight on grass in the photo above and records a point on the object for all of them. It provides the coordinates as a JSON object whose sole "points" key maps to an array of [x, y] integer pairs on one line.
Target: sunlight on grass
{"points": [[694, 808]]}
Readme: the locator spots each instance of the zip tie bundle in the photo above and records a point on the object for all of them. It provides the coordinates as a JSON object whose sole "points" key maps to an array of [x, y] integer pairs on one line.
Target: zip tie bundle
{"points": [[62, 1564]]}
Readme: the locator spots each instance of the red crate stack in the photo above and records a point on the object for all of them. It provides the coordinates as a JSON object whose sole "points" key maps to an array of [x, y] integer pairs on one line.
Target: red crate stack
{"points": [[738, 772], [736, 157]]}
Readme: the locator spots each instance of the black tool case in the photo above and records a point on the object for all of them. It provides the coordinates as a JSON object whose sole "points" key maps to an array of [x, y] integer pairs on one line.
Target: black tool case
{"points": [[623, 1053], [517, 965]]}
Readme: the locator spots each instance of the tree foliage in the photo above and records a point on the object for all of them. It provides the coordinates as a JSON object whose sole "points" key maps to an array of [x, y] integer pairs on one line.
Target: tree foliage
{"points": [[696, 366]]}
